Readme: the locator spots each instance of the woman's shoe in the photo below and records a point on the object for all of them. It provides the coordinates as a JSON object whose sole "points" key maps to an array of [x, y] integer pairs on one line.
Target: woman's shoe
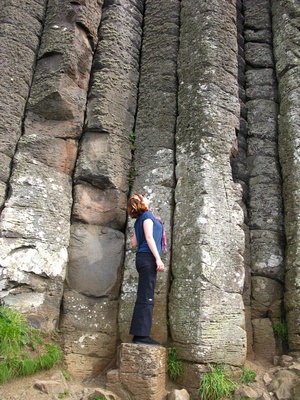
{"points": [[145, 340]]}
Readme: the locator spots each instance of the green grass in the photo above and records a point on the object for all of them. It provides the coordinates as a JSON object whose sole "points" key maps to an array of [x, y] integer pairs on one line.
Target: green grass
{"points": [[66, 375], [280, 330], [66, 393], [98, 398], [132, 138], [24, 350], [248, 375], [174, 364], [281, 334], [216, 384]]}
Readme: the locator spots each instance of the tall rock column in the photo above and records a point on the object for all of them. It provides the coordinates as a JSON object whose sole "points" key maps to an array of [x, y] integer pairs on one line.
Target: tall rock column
{"points": [[206, 306], [286, 29], [154, 149], [35, 223], [265, 199], [101, 181], [240, 171], [20, 31]]}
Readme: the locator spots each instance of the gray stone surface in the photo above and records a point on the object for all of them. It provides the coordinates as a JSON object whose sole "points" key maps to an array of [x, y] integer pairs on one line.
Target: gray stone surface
{"points": [[208, 240], [142, 373], [286, 53], [283, 384], [95, 260], [195, 83], [265, 209], [20, 31], [267, 256], [88, 326], [35, 222], [102, 174], [261, 84], [154, 153], [103, 166], [264, 341], [266, 290]]}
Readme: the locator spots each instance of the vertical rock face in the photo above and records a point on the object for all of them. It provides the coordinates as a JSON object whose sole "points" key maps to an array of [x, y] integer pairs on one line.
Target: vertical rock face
{"points": [[206, 306], [96, 249], [21, 27], [240, 169], [177, 100], [265, 199], [88, 326], [286, 47], [35, 221], [154, 154]]}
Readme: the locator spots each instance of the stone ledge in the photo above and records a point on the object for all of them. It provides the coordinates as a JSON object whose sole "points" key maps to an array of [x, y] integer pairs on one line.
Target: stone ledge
{"points": [[141, 373]]}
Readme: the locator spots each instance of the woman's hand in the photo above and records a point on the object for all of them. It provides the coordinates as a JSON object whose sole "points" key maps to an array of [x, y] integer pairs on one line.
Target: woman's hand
{"points": [[159, 265]]}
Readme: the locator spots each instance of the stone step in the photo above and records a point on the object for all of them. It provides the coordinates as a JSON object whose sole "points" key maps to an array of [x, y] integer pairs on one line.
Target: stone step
{"points": [[141, 373]]}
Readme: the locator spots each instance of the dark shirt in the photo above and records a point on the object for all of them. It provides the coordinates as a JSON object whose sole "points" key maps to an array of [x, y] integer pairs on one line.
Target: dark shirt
{"points": [[140, 235]]}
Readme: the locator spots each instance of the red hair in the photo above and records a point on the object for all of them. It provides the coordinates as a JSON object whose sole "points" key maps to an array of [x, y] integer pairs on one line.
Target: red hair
{"points": [[136, 206]]}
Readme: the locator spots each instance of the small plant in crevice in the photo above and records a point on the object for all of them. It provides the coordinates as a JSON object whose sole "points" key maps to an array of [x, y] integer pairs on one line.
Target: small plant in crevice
{"points": [[174, 364], [24, 349], [248, 375], [216, 384], [280, 332], [132, 141]]}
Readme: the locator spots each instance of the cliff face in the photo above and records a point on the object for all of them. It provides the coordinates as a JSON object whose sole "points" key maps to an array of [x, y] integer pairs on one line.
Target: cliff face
{"points": [[194, 103]]}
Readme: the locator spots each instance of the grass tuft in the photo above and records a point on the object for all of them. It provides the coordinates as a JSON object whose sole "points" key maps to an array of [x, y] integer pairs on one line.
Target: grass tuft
{"points": [[174, 364], [280, 330], [98, 398], [23, 348], [248, 375], [216, 384]]}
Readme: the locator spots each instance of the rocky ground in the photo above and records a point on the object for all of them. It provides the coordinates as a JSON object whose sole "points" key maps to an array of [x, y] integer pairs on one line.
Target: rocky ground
{"points": [[51, 385], [273, 382]]}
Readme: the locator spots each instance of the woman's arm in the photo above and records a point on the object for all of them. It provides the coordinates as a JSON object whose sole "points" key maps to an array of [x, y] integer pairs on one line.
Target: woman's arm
{"points": [[134, 242], [148, 230]]}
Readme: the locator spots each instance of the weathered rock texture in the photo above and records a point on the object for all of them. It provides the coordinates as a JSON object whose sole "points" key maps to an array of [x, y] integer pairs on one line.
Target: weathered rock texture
{"points": [[142, 373], [199, 87], [154, 154], [286, 50], [35, 224], [265, 199], [20, 33], [207, 260], [96, 249]]}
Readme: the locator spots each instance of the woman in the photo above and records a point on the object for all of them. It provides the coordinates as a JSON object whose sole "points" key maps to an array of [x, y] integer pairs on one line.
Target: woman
{"points": [[149, 238]]}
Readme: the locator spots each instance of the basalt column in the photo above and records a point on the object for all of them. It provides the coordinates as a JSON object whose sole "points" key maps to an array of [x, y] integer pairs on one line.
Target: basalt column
{"points": [[240, 170], [265, 199], [35, 222], [206, 306], [101, 180], [20, 30], [286, 30], [154, 149]]}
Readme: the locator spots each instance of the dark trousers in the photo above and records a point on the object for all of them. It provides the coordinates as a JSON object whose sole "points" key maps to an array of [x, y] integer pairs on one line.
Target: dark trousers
{"points": [[143, 310]]}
